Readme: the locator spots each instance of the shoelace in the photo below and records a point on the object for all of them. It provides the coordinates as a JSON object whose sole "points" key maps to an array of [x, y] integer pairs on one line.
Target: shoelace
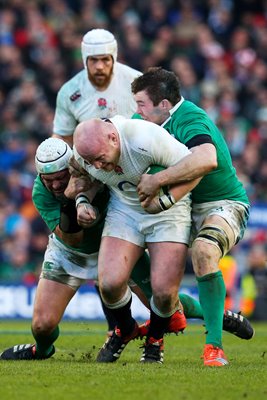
{"points": [[212, 352]]}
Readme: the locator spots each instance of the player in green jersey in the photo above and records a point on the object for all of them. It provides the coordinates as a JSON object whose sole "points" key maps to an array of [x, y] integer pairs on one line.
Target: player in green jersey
{"points": [[71, 257], [220, 206]]}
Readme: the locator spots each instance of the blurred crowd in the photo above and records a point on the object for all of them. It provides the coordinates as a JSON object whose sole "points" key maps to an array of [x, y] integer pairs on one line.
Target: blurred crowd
{"points": [[218, 48]]}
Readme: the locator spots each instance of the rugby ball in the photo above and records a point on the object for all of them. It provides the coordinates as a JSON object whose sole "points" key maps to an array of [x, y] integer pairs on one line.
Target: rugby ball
{"points": [[153, 169]]}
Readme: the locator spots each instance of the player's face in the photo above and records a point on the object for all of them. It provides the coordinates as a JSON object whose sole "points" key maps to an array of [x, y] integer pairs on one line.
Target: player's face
{"points": [[105, 156], [56, 182], [147, 110], [99, 69]]}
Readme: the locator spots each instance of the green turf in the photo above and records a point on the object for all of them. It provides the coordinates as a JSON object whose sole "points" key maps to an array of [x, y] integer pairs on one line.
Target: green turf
{"points": [[72, 372]]}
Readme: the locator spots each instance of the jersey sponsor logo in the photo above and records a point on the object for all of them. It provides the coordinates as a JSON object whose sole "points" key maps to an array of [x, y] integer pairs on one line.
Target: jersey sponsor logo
{"points": [[219, 209], [102, 103], [48, 266], [126, 185], [75, 96]]}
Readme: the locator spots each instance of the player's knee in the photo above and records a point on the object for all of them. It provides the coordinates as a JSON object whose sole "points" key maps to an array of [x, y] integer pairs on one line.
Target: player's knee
{"points": [[43, 325], [110, 290], [202, 250], [205, 257], [211, 237], [163, 300]]}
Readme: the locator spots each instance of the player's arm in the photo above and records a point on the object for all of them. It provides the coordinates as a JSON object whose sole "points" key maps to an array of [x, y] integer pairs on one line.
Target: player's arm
{"points": [[64, 120], [88, 214], [77, 214], [162, 202], [59, 215], [68, 228], [201, 160], [67, 139]]}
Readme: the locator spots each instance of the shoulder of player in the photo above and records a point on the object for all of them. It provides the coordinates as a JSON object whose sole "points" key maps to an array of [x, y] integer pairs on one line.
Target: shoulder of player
{"points": [[37, 185], [189, 112], [127, 71], [40, 193], [141, 134], [128, 125], [73, 85]]}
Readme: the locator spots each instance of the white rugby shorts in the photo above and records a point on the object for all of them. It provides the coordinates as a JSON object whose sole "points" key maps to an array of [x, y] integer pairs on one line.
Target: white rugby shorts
{"points": [[140, 227], [235, 214], [68, 266]]}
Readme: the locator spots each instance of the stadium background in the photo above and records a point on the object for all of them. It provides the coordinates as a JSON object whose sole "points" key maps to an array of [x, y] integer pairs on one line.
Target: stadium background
{"points": [[218, 48]]}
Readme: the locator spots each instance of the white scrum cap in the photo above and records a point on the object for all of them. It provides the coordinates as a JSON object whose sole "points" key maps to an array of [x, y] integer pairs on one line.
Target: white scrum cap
{"points": [[97, 42], [52, 155]]}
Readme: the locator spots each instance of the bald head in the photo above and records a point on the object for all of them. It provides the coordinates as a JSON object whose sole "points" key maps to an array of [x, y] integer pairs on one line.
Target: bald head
{"points": [[97, 139], [88, 136]]}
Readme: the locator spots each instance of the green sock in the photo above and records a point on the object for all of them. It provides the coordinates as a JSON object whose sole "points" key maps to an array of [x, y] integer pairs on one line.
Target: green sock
{"points": [[212, 293], [192, 308], [44, 344]]}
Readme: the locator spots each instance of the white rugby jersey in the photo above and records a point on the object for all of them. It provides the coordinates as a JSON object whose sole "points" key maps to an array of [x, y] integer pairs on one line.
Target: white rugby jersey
{"points": [[143, 144], [78, 100]]}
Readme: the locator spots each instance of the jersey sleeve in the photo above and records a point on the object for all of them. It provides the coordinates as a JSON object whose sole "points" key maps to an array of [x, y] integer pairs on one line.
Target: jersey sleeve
{"points": [[46, 204], [64, 121]]}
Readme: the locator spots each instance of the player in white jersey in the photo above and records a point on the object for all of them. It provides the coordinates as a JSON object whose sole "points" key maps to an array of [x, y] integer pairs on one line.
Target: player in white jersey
{"points": [[102, 89], [117, 152]]}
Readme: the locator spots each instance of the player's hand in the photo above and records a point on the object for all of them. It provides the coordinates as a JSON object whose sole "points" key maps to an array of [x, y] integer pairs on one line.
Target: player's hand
{"points": [[159, 203], [152, 206], [147, 187], [76, 185], [87, 215]]}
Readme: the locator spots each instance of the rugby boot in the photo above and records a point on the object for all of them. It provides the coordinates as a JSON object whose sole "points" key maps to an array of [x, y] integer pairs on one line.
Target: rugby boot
{"points": [[153, 351], [177, 324], [214, 356], [238, 325], [115, 344], [24, 352]]}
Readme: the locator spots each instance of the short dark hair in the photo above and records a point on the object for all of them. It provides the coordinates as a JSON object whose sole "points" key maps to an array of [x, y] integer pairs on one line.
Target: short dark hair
{"points": [[159, 84]]}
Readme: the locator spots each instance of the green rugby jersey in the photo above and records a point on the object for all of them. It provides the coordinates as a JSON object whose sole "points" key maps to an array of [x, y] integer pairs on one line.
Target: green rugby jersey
{"points": [[48, 207], [186, 121]]}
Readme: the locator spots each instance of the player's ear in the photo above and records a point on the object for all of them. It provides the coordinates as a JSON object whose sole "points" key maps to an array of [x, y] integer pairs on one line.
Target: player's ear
{"points": [[113, 138], [165, 103]]}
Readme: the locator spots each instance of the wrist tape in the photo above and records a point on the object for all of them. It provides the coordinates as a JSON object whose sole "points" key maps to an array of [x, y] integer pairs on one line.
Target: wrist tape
{"points": [[166, 201], [81, 199]]}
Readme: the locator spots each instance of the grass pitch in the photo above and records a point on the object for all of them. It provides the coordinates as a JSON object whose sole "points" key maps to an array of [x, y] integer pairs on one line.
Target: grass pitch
{"points": [[72, 372]]}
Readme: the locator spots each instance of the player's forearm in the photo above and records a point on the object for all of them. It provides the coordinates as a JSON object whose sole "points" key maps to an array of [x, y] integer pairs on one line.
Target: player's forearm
{"points": [[180, 190], [95, 188], [201, 161], [67, 139]]}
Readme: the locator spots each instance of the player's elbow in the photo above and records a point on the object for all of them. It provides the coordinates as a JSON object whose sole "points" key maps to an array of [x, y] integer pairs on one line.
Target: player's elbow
{"points": [[212, 164], [210, 158]]}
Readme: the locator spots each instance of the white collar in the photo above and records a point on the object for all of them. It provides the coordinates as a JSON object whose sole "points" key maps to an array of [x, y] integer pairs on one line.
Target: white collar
{"points": [[173, 109]]}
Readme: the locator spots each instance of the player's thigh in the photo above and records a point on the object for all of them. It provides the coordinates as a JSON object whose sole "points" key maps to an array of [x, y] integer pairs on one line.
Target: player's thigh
{"points": [[167, 263], [116, 259], [52, 298], [230, 217]]}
